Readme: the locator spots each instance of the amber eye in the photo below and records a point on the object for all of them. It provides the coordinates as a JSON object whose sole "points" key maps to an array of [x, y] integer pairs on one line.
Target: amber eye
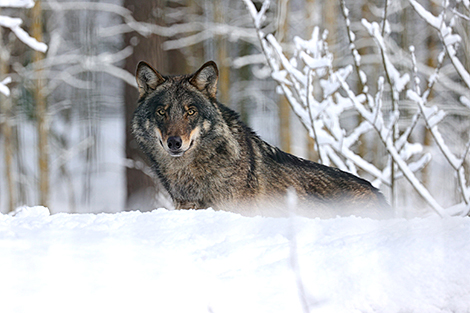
{"points": [[191, 112], [161, 112]]}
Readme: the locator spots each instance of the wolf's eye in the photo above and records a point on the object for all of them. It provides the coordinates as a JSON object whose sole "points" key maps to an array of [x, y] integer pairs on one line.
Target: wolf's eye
{"points": [[161, 112], [191, 112]]}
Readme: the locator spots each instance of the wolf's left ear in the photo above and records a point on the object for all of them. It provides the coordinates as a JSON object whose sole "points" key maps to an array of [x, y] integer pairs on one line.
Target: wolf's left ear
{"points": [[147, 78], [205, 79]]}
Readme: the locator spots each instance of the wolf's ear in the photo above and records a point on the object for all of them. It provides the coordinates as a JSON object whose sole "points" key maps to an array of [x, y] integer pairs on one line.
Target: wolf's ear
{"points": [[205, 79], [147, 78]]}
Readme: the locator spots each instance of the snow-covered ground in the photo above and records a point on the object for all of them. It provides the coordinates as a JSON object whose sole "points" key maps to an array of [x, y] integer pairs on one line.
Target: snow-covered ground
{"points": [[207, 261]]}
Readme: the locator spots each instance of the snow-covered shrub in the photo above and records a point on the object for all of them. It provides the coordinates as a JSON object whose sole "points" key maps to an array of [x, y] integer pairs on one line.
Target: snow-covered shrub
{"points": [[320, 94], [14, 24]]}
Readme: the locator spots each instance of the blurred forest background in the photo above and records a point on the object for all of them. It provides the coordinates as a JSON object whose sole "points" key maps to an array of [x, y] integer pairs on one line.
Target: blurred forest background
{"points": [[64, 129]]}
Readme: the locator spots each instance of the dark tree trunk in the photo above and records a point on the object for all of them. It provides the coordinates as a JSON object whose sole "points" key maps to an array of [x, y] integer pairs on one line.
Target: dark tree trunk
{"points": [[142, 189]]}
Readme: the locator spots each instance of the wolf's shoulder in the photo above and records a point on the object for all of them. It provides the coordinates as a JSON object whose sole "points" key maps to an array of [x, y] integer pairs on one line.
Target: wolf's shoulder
{"points": [[230, 116]]}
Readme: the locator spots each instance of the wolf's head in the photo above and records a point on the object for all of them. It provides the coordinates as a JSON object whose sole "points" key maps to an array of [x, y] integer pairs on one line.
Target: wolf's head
{"points": [[174, 111]]}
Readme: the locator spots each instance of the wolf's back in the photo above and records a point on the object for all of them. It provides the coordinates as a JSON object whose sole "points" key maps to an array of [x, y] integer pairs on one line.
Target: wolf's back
{"points": [[275, 171]]}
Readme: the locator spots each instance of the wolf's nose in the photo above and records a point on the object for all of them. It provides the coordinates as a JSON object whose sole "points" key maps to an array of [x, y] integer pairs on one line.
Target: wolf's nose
{"points": [[174, 143]]}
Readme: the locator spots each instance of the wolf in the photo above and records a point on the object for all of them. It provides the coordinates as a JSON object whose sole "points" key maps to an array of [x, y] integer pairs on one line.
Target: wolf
{"points": [[205, 156]]}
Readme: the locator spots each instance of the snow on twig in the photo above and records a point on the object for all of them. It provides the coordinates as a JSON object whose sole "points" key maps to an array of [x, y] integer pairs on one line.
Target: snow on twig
{"points": [[389, 145], [14, 24], [356, 56], [432, 116], [311, 62], [397, 81], [28, 4], [258, 17], [462, 16], [3, 86], [455, 162], [436, 22], [449, 40]]}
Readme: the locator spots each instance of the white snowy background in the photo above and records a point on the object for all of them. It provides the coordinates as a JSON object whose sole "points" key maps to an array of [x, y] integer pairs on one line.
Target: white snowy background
{"points": [[207, 261]]}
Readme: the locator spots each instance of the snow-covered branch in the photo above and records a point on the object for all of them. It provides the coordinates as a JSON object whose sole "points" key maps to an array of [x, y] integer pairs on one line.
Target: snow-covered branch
{"points": [[3, 86], [28, 4], [448, 39], [14, 24], [320, 108]]}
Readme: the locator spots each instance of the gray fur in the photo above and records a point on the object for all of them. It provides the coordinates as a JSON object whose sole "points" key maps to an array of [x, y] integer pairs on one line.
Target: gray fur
{"points": [[222, 163]]}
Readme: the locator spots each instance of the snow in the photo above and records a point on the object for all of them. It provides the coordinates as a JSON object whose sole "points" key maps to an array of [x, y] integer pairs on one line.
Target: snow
{"points": [[3, 86], [258, 17], [315, 63], [432, 20], [17, 3], [14, 25], [449, 39], [465, 101], [214, 261]]}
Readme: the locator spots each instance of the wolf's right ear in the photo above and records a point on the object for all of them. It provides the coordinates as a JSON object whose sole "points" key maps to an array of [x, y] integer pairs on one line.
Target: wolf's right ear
{"points": [[205, 79], [147, 78]]}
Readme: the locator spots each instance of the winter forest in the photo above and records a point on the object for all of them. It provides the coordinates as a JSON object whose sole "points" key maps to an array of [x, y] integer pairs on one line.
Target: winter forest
{"points": [[379, 89]]}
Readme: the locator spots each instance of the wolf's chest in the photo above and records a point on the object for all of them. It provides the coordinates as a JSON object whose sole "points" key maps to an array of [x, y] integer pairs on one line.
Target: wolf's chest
{"points": [[198, 185]]}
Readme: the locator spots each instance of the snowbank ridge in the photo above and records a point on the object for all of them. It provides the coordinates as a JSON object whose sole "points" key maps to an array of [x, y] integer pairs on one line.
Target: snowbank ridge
{"points": [[207, 261]]}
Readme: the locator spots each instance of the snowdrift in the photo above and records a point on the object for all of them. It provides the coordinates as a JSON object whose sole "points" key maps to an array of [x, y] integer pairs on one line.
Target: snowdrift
{"points": [[207, 261]]}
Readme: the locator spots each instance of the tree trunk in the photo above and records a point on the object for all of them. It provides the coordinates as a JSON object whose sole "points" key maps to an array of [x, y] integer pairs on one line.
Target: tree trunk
{"points": [[312, 20], [142, 188], [283, 104], [6, 130], [41, 110]]}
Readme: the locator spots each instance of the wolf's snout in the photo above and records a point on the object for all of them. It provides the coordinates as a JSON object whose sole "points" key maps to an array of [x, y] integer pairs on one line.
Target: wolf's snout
{"points": [[174, 143]]}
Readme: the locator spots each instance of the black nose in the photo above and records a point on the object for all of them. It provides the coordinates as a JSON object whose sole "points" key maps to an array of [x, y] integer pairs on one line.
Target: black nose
{"points": [[174, 143]]}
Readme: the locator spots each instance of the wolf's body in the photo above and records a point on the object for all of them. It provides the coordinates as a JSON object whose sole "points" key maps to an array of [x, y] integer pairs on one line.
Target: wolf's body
{"points": [[206, 157]]}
